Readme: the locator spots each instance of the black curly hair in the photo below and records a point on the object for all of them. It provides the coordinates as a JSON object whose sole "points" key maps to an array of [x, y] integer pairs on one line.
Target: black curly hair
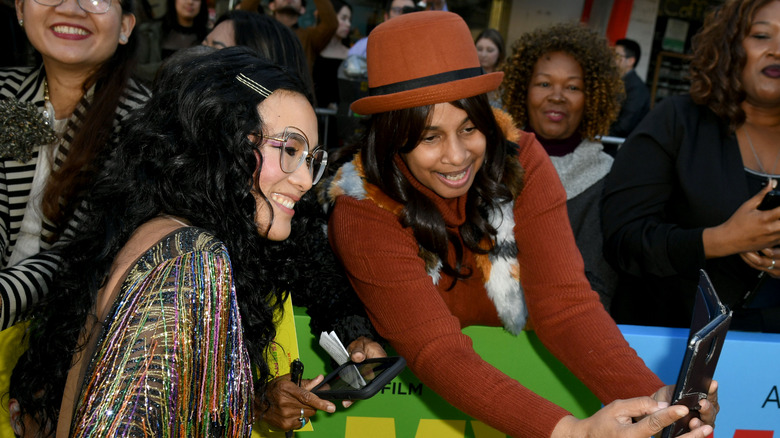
{"points": [[187, 153], [603, 85], [718, 59], [400, 131]]}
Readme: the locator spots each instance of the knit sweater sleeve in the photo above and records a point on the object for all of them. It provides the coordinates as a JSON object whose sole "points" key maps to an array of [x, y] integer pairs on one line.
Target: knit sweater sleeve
{"points": [[563, 310], [407, 310]]}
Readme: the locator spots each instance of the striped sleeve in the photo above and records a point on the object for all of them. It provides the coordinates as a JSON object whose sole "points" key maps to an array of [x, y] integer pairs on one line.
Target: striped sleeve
{"points": [[23, 285]]}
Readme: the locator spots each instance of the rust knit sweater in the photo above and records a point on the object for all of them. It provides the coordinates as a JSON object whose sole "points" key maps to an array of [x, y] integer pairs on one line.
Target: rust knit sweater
{"points": [[423, 321]]}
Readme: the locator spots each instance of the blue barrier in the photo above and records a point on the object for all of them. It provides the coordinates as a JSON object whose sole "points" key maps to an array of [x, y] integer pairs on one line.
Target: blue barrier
{"points": [[748, 374]]}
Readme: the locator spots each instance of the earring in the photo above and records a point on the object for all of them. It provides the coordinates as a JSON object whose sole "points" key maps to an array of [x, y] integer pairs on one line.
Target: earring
{"points": [[122, 38], [21, 23]]}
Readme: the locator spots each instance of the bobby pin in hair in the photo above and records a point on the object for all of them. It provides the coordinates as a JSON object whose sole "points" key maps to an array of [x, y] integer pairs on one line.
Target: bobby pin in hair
{"points": [[257, 88]]}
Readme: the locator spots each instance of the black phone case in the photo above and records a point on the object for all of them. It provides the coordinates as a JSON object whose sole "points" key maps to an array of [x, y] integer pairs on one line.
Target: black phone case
{"points": [[395, 364], [710, 324], [771, 201]]}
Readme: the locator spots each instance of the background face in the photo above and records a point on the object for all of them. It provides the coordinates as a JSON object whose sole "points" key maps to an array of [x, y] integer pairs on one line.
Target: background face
{"points": [[556, 96], [345, 22], [488, 53], [68, 35], [187, 9]]}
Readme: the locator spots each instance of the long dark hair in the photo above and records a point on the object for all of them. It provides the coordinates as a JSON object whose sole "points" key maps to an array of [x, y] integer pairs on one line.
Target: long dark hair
{"points": [[66, 184], [270, 39], [187, 154], [718, 59], [400, 131]]}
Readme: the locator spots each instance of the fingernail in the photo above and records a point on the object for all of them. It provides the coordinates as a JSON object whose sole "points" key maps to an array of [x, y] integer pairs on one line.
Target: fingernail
{"points": [[663, 404], [331, 408]]}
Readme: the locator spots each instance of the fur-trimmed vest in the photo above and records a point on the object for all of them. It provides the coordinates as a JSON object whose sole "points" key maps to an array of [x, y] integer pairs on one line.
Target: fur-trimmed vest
{"points": [[499, 267]]}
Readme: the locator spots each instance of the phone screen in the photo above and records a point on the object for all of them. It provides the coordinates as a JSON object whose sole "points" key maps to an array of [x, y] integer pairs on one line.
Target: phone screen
{"points": [[353, 381], [355, 376]]}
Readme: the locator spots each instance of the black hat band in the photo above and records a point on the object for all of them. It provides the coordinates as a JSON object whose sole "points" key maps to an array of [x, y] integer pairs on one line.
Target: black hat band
{"points": [[426, 81]]}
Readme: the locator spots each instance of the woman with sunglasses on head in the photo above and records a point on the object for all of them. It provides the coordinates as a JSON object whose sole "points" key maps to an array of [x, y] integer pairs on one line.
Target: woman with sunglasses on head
{"points": [[164, 308], [461, 220], [58, 118]]}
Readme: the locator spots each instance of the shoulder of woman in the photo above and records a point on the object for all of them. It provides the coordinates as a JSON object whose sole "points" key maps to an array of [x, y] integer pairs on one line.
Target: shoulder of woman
{"points": [[137, 93], [11, 78]]}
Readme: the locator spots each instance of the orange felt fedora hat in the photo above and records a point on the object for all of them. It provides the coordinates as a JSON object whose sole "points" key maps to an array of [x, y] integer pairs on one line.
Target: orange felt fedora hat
{"points": [[422, 58]]}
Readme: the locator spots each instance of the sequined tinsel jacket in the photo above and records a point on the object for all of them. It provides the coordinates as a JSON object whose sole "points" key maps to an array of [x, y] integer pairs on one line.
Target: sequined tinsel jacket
{"points": [[170, 360]]}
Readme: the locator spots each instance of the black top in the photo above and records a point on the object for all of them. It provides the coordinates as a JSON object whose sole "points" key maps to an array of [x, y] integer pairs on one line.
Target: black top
{"points": [[326, 84], [634, 108], [680, 172]]}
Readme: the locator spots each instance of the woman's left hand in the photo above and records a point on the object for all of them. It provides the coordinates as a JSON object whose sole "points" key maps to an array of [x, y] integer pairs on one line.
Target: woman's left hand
{"points": [[287, 402], [708, 408]]}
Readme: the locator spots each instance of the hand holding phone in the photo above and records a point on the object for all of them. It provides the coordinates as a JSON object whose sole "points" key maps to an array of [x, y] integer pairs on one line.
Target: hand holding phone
{"points": [[357, 381], [710, 324]]}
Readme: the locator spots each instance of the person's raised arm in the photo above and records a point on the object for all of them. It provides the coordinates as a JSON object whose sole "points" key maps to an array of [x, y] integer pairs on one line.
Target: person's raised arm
{"points": [[328, 23]]}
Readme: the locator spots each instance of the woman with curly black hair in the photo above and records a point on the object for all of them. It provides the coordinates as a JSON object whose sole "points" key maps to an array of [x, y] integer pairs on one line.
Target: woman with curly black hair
{"points": [[448, 216], [148, 332], [685, 190], [563, 85]]}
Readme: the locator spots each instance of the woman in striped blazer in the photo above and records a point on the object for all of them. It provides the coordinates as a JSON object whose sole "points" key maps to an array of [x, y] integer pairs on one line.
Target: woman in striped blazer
{"points": [[60, 117]]}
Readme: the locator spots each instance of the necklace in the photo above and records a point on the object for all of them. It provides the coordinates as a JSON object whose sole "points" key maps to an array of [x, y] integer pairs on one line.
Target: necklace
{"points": [[755, 155], [48, 108]]}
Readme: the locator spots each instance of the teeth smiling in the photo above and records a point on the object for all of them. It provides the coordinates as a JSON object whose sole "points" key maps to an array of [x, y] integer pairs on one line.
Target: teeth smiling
{"points": [[284, 200], [70, 30], [455, 177]]}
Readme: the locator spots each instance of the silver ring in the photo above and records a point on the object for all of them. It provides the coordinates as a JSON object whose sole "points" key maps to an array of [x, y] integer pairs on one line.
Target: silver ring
{"points": [[303, 421], [772, 266]]}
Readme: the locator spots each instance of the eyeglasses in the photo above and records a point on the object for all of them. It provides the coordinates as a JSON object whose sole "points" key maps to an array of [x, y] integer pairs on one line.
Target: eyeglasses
{"points": [[91, 6], [294, 150]]}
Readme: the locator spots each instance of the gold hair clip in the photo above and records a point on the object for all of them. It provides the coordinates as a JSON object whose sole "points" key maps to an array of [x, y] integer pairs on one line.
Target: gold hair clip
{"points": [[254, 86]]}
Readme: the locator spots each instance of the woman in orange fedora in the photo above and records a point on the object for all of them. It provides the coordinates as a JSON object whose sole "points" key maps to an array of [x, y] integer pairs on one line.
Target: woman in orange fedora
{"points": [[448, 216]]}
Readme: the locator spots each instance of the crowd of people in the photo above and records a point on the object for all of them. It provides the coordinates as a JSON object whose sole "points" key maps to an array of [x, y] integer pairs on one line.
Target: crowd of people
{"points": [[165, 188]]}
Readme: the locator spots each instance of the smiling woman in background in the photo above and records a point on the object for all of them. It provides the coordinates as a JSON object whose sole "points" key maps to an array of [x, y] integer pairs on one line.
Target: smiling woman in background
{"points": [[562, 84], [59, 117]]}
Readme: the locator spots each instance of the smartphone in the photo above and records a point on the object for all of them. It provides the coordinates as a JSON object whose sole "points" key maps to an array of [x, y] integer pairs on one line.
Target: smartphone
{"points": [[710, 324], [357, 381], [771, 200]]}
